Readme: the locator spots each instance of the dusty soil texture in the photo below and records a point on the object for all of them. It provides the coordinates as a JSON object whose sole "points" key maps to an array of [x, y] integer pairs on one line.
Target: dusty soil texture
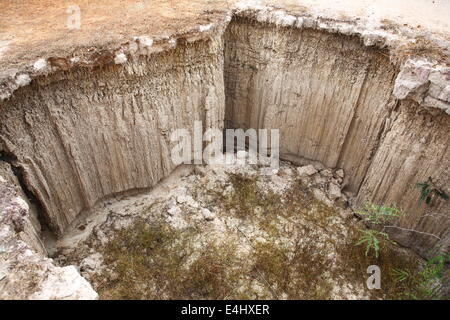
{"points": [[35, 28], [30, 29], [232, 232]]}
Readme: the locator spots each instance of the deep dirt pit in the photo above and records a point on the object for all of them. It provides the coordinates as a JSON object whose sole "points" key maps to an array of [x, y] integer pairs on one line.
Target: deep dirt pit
{"points": [[87, 131], [231, 232]]}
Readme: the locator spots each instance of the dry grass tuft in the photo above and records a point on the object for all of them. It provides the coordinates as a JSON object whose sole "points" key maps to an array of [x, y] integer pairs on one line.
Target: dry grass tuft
{"points": [[422, 48], [156, 261]]}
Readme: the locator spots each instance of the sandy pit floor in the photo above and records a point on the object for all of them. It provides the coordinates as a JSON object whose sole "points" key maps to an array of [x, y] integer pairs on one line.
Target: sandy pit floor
{"points": [[216, 232]]}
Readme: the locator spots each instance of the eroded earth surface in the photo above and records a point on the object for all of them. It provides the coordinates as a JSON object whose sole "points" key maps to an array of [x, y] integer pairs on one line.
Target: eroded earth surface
{"points": [[230, 232]]}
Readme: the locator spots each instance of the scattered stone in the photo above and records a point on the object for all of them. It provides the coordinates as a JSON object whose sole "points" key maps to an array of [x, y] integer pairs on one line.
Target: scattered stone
{"points": [[120, 58], [340, 173], [92, 264], [334, 192], [328, 173], [321, 196], [207, 214], [320, 180], [306, 171], [174, 210], [345, 213]]}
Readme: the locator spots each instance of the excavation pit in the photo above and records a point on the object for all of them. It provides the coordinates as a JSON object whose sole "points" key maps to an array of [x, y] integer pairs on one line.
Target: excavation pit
{"points": [[87, 144]]}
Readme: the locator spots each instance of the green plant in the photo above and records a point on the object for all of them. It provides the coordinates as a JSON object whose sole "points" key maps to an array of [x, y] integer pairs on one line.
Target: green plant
{"points": [[427, 282], [428, 191], [436, 266], [373, 240], [401, 275], [379, 214]]}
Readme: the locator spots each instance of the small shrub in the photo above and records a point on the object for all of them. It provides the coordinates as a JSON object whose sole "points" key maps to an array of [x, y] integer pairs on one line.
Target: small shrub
{"points": [[373, 240], [379, 214], [428, 282], [428, 192]]}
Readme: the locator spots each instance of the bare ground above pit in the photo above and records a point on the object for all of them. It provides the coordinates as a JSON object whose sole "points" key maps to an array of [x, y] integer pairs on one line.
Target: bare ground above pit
{"points": [[32, 29], [42, 25]]}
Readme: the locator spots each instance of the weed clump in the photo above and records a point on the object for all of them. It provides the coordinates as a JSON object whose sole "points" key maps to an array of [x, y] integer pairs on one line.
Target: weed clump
{"points": [[290, 271], [156, 261]]}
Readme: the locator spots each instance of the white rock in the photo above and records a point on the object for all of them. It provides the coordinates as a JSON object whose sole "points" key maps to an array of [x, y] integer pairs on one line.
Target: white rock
{"points": [[182, 199], [340, 173], [412, 81], [207, 214], [23, 80], [40, 64], [75, 59], [334, 192], [188, 200], [174, 210], [92, 262], [205, 27], [145, 41], [306, 171], [321, 196], [65, 284], [120, 58]]}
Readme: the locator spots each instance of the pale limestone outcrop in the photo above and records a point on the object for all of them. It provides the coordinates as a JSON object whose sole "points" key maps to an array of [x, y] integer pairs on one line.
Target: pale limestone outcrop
{"points": [[28, 224], [24, 273], [421, 82]]}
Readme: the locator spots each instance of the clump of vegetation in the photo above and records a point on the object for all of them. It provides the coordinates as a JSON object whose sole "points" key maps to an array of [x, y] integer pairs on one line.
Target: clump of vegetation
{"points": [[373, 241], [428, 282], [144, 258], [379, 214], [354, 263], [156, 261], [411, 281], [429, 192], [214, 274], [420, 48], [247, 196], [289, 270]]}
